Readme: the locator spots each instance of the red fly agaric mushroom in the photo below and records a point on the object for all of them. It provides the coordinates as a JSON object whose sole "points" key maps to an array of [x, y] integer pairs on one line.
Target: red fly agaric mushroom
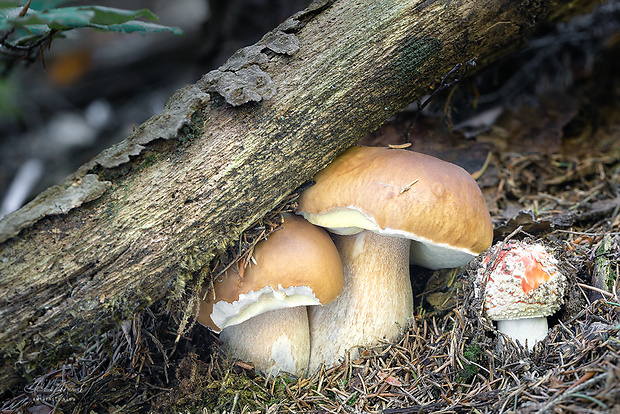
{"points": [[260, 310], [379, 201], [524, 286]]}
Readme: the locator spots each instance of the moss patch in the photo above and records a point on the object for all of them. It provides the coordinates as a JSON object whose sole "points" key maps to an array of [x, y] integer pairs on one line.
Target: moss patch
{"points": [[220, 386]]}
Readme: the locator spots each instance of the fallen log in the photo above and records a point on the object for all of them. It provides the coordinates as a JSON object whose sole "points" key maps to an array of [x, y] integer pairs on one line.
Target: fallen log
{"points": [[134, 224]]}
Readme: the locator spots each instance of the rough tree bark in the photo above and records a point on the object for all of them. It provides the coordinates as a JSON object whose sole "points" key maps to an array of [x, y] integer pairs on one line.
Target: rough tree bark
{"points": [[131, 226]]}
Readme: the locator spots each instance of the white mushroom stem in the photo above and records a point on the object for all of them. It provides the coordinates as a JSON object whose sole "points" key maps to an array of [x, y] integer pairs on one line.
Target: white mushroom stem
{"points": [[276, 341], [376, 301], [526, 331]]}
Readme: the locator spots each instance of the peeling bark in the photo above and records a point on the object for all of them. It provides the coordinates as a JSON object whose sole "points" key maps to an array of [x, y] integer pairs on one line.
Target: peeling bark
{"points": [[132, 225]]}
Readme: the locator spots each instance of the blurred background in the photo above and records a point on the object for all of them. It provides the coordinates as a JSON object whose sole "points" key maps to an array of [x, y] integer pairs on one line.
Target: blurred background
{"points": [[93, 87]]}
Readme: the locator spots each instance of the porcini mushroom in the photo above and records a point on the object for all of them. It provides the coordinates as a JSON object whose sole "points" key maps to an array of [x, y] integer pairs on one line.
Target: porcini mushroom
{"points": [[378, 200], [261, 311], [275, 341], [524, 286]]}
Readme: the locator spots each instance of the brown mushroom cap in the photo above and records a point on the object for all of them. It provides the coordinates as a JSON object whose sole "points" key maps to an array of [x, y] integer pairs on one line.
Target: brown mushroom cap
{"points": [[297, 265], [405, 194]]}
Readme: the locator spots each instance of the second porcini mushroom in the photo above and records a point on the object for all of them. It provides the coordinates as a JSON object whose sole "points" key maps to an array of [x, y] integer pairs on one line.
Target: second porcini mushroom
{"points": [[378, 201], [524, 286], [261, 309]]}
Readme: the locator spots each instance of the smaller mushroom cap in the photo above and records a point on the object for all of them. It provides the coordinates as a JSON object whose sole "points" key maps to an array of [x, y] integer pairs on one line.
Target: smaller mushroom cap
{"points": [[401, 193], [523, 283], [298, 265]]}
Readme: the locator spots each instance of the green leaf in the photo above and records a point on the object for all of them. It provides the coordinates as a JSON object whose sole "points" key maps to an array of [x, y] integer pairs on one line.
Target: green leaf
{"points": [[5, 4], [66, 18], [7, 14], [41, 5], [109, 15], [62, 19], [137, 26]]}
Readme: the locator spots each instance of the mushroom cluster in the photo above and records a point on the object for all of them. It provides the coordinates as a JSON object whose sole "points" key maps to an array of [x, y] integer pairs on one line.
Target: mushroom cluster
{"points": [[260, 310], [388, 208], [523, 286]]}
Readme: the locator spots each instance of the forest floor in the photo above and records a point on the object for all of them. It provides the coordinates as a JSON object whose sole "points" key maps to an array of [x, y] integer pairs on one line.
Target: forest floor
{"points": [[540, 131]]}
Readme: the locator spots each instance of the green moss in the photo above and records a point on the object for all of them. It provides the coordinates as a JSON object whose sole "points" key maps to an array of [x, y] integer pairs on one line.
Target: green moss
{"points": [[352, 399], [149, 160], [194, 128], [216, 388], [603, 264], [121, 308], [31, 360], [472, 352], [278, 391], [471, 355], [412, 55]]}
